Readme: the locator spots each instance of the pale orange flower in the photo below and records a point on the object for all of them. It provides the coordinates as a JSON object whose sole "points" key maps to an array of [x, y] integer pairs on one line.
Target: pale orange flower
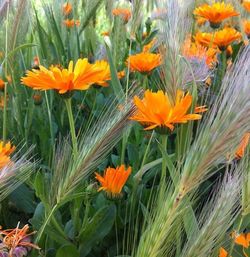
{"points": [[77, 23], [246, 5], [67, 8], [81, 77], [71, 23], [15, 238], [243, 145], [155, 110], [194, 50], [200, 21], [104, 73], [246, 25], [216, 13], [113, 180], [144, 62], [124, 13], [221, 39], [5, 151]]}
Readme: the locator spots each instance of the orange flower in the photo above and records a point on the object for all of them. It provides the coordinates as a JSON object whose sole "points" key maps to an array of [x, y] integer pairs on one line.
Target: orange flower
{"points": [[81, 77], [5, 151], [242, 147], [223, 252], [71, 23], [221, 39], [242, 239], [155, 110], [104, 73], [144, 62], [105, 33], [2, 85], [67, 8], [194, 50], [124, 13], [15, 238], [200, 21], [215, 13], [113, 180], [246, 5], [246, 25]]}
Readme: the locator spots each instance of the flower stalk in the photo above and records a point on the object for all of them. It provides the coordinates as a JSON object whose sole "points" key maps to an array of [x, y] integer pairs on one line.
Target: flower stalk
{"points": [[72, 126]]}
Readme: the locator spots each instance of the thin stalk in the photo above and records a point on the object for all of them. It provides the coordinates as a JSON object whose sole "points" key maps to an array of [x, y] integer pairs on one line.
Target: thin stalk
{"points": [[164, 159], [221, 71], [5, 113], [163, 149], [72, 126], [39, 235], [6, 83], [50, 125], [124, 144], [144, 82]]}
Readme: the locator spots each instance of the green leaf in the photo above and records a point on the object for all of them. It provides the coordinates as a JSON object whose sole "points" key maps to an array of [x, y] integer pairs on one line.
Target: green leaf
{"points": [[23, 198], [96, 229], [67, 251]]}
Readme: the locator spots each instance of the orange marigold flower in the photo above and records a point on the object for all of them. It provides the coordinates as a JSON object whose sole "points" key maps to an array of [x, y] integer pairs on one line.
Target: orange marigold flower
{"points": [[144, 62], [223, 252], [67, 8], [200, 21], [71, 23], [113, 180], [221, 39], [216, 13], [242, 146], [81, 77], [124, 13], [17, 238], [246, 25], [194, 50], [155, 110], [104, 73], [242, 239], [2, 85], [246, 5], [5, 151]]}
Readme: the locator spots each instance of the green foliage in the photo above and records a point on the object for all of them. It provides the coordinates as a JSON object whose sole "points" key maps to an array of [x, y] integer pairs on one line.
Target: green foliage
{"points": [[187, 191]]}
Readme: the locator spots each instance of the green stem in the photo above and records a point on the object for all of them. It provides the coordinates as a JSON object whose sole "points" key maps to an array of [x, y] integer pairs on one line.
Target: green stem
{"points": [[5, 113], [50, 126], [6, 72], [144, 82], [164, 160], [220, 71], [39, 235], [138, 175], [233, 242], [72, 126]]}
